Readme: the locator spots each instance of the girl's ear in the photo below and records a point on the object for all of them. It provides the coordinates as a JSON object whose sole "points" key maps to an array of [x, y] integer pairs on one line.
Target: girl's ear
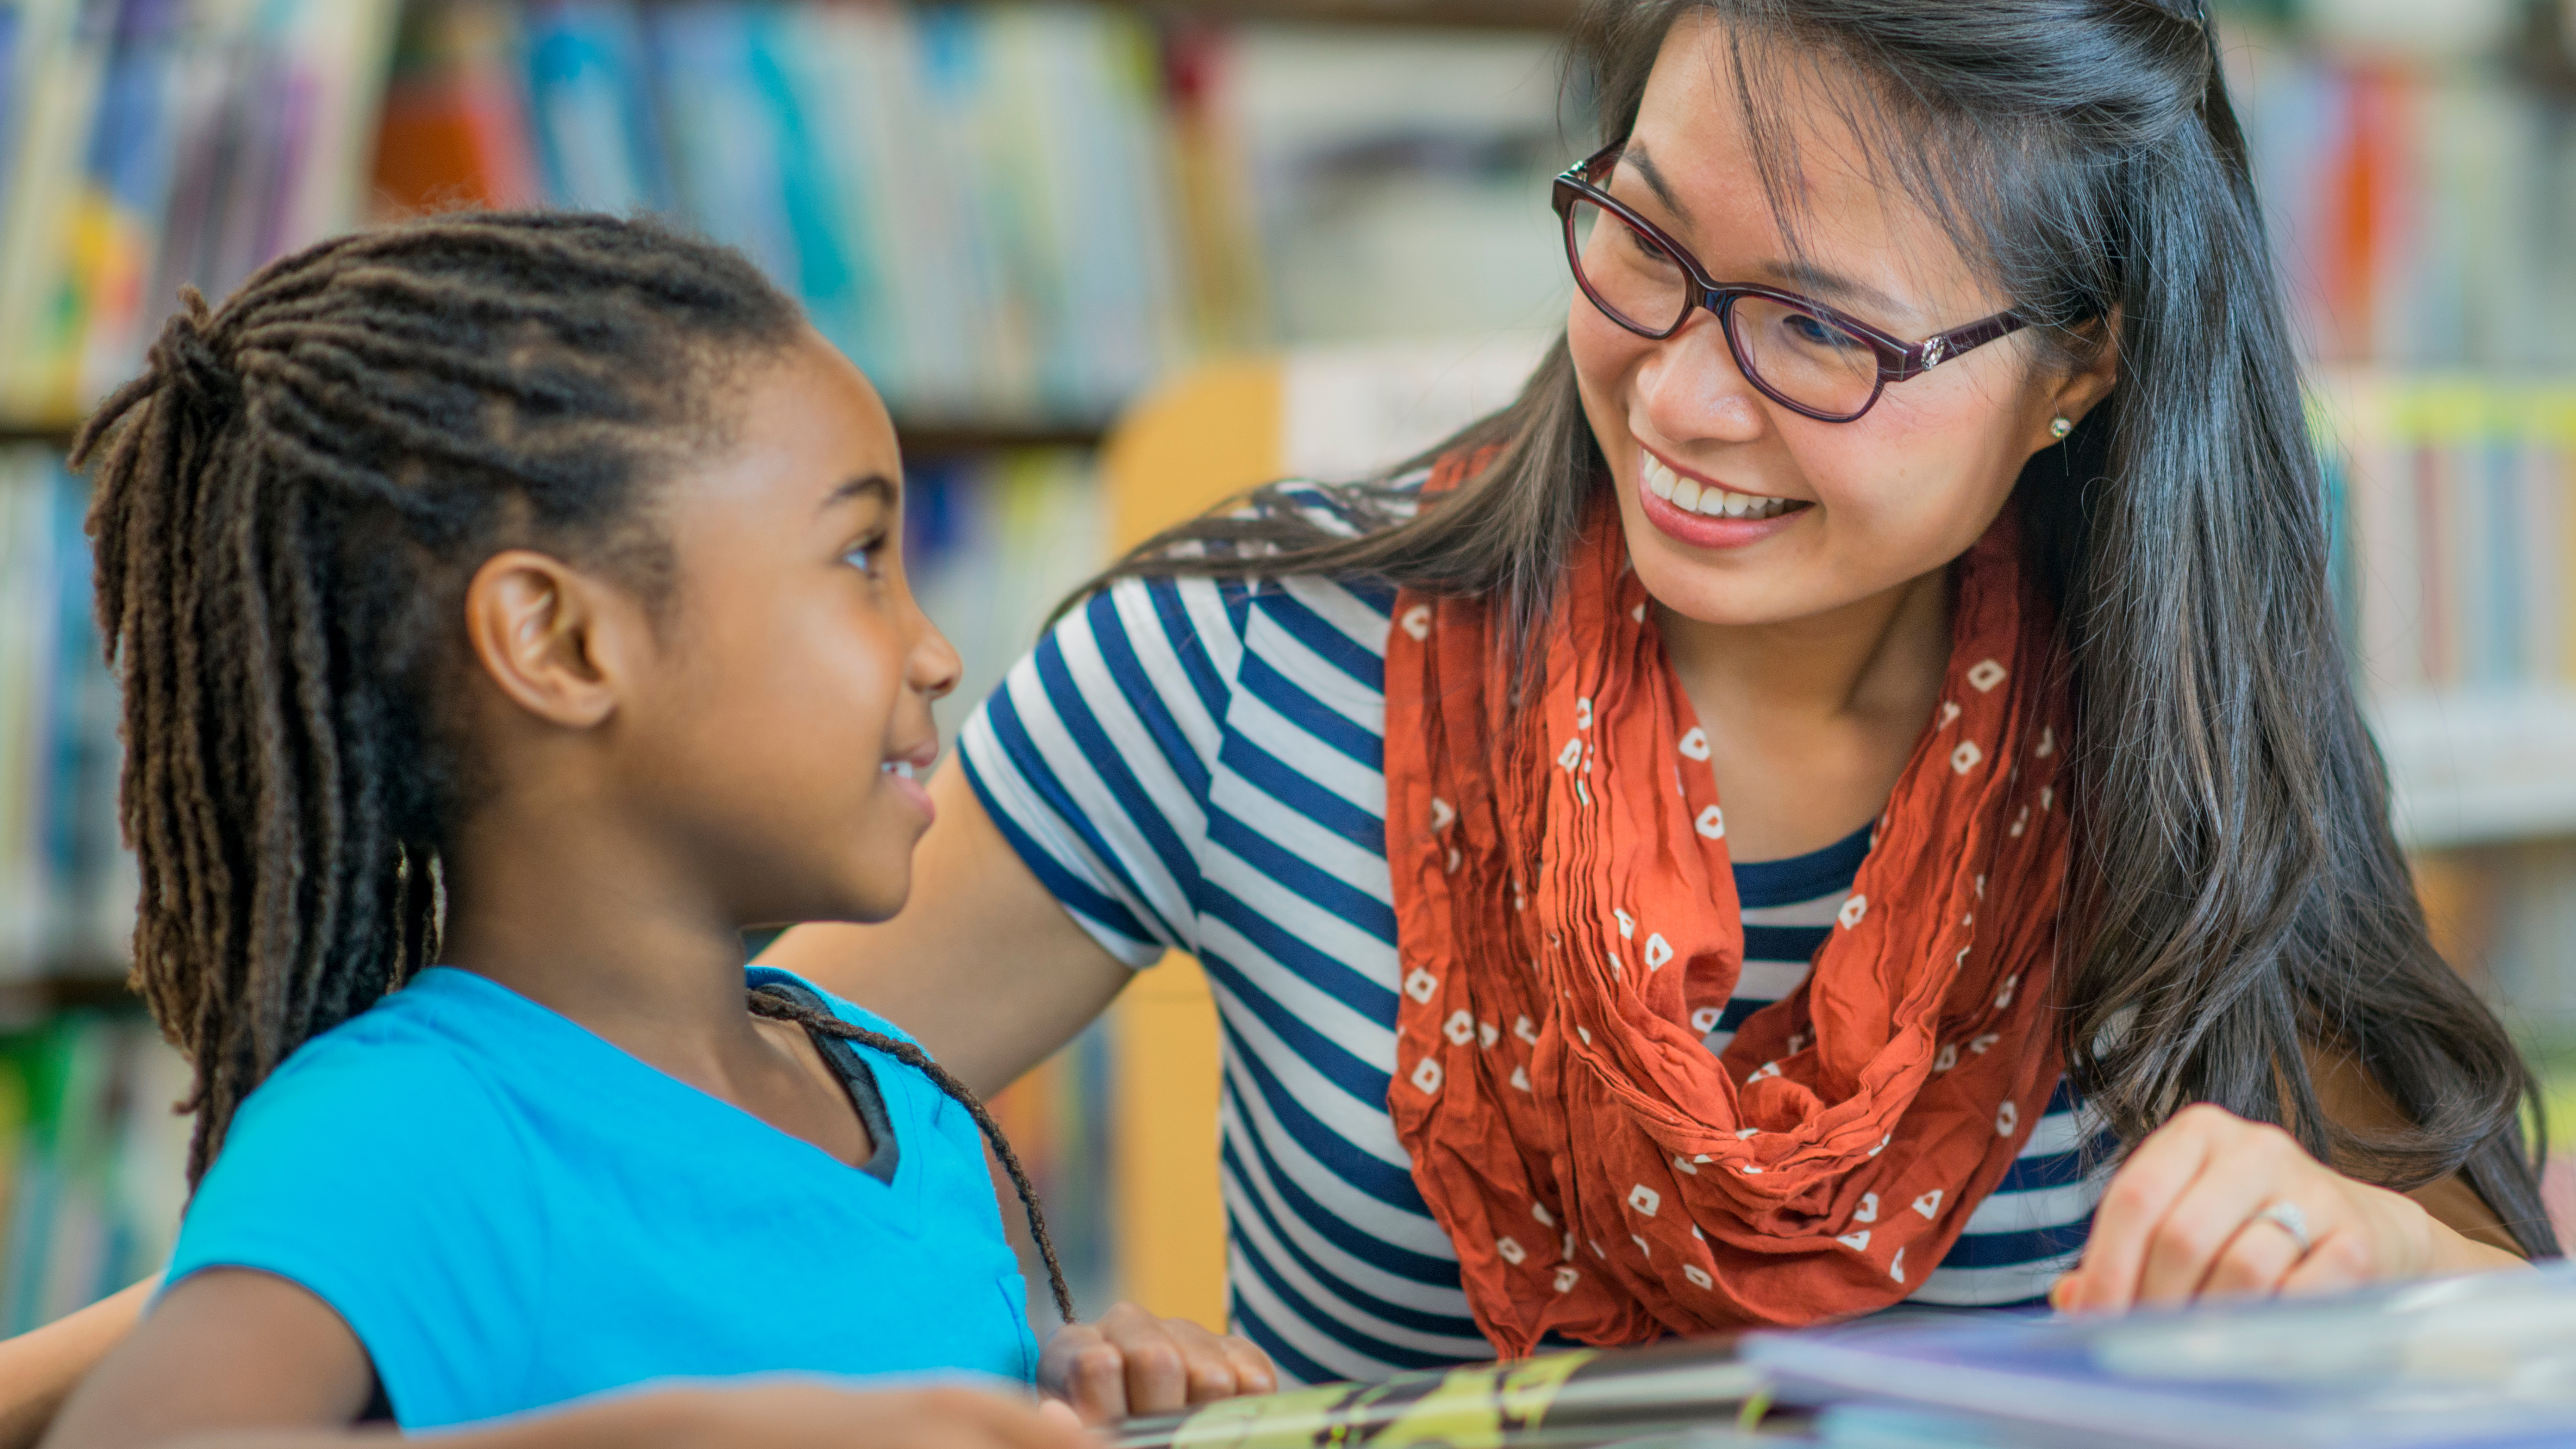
{"points": [[550, 636]]}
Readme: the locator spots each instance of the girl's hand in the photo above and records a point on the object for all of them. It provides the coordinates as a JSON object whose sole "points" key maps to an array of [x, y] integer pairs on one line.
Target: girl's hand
{"points": [[1130, 1362], [2196, 1213]]}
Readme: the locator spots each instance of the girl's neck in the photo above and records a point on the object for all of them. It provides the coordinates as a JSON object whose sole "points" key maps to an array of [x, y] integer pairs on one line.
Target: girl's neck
{"points": [[591, 922], [1810, 721]]}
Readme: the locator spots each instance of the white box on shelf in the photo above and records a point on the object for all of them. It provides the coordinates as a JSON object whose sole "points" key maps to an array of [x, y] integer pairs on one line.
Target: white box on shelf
{"points": [[2477, 767]]}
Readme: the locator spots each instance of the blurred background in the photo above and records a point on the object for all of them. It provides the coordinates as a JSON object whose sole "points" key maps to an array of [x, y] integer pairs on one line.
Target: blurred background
{"points": [[1029, 222]]}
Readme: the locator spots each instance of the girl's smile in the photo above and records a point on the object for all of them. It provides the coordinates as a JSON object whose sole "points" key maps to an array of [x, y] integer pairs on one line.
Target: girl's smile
{"points": [[904, 774]]}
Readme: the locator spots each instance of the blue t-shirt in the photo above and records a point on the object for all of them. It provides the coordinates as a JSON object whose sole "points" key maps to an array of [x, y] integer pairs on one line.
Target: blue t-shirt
{"points": [[509, 1212]]}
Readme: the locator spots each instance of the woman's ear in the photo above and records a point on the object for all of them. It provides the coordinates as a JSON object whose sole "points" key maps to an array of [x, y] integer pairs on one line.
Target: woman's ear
{"points": [[550, 636], [2079, 391]]}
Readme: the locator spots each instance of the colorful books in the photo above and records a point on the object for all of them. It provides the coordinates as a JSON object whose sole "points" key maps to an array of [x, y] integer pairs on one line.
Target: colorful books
{"points": [[93, 1161], [976, 203], [149, 143], [2456, 539], [66, 886]]}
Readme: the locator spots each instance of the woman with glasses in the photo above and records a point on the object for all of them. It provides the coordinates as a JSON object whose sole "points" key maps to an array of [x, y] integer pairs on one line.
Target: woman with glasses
{"points": [[1848, 793]]}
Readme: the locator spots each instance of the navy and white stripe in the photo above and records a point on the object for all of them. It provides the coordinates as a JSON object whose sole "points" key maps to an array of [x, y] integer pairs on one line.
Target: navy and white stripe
{"points": [[1198, 766]]}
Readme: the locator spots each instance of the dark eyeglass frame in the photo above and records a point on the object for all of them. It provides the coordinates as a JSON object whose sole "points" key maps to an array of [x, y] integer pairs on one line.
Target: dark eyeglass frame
{"points": [[1898, 359]]}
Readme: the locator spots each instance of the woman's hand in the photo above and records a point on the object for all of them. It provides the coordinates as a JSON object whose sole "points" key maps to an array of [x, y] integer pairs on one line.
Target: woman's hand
{"points": [[1127, 1361], [2197, 1212]]}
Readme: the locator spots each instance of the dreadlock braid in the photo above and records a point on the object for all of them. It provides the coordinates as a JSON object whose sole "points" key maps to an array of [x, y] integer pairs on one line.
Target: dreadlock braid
{"points": [[779, 1007], [290, 501]]}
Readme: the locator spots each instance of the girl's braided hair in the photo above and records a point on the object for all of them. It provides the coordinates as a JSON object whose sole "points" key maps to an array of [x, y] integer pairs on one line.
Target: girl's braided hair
{"points": [[780, 1007], [290, 502]]}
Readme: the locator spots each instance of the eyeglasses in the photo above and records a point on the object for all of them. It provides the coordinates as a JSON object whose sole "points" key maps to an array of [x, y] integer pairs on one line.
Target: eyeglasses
{"points": [[1803, 355]]}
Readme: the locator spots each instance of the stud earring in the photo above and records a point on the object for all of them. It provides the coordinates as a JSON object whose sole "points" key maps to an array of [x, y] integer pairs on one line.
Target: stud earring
{"points": [[2060, 427]]}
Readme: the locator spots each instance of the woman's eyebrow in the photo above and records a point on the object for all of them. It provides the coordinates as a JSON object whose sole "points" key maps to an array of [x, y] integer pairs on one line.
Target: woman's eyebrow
{"points": [[1833, 286], [885, 489], [1803, 277], [1635, 155]]}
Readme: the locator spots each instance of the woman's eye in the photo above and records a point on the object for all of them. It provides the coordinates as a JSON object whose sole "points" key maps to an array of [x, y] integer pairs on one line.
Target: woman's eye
{"points": [[867, 557], [1644, 248], [1816, 332]]}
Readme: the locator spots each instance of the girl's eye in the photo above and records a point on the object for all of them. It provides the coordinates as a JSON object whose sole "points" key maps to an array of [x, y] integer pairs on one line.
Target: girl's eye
{"points": [[868, 557]]}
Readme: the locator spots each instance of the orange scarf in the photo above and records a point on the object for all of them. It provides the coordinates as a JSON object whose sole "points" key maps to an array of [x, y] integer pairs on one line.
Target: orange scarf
{"points": [[1564, 906]]}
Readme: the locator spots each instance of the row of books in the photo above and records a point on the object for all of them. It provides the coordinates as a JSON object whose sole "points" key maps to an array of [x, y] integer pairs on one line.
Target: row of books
{"points": [[2456, 555], [66, 886], [93, 1159], [145, 144], [978, 203], [2419, 210]]}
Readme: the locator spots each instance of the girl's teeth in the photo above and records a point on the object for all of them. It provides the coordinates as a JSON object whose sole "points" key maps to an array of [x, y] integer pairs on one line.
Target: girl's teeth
{"points": [[902, 768], [1686, 494]]}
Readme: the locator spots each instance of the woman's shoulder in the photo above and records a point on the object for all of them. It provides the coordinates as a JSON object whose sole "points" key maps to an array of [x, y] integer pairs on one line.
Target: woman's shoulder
{"points": [[1340, 510], [1193, 605]]}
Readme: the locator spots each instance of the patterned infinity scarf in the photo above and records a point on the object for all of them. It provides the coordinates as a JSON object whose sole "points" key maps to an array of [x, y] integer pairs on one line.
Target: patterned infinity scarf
{"points": [[1564, 907]]}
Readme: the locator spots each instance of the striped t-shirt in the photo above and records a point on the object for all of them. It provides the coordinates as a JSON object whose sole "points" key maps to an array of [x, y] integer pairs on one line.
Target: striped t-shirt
{"points": [[1199, 766]]}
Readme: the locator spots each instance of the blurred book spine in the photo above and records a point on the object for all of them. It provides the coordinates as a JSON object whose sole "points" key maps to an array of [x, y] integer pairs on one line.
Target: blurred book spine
{"points": [[982, 204], [2419, 203], [977, 203], [149, 143], [2456, 501], [92, 1161], [66, 885]]}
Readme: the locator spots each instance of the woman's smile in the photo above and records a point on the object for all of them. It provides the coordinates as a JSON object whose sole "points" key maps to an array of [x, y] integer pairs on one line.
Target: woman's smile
{"points": [[1696, 510]]}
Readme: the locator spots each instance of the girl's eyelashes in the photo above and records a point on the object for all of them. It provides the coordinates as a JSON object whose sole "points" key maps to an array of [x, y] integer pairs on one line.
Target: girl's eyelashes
{"points": [[868, 555]]}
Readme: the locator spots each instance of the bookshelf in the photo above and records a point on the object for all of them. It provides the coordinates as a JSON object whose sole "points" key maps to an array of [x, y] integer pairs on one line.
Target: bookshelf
{"points": [[1261, 212]]}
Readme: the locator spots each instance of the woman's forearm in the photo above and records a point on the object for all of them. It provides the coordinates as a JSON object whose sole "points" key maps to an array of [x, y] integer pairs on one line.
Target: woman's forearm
{"points": [[39, 1370], [982, 965]]}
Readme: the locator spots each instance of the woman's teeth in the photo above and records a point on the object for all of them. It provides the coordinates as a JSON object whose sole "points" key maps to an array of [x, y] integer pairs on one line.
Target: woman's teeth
{"points": [[1690, 496], [900, 768]]}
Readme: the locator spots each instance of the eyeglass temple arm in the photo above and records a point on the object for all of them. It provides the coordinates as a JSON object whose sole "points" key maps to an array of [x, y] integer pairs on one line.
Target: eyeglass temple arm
{"points": [[1931, 352]]}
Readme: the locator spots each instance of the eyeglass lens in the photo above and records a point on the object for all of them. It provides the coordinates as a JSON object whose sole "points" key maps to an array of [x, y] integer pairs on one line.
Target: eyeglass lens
{"points": [[1803, 358]]}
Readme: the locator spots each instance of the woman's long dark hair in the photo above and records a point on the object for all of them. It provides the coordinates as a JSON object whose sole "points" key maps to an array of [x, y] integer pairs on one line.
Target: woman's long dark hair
{"points": [[2238, 901]]}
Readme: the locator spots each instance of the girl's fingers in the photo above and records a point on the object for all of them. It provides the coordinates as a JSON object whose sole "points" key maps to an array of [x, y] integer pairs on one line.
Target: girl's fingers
{"points": [[1158, 1376], [1093, 1373], [2145, 1188], [1210, 1372], [1253, 1371]]}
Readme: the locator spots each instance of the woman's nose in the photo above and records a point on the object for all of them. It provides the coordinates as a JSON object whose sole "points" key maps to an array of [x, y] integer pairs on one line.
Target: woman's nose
{"points": [[1690, 388]]}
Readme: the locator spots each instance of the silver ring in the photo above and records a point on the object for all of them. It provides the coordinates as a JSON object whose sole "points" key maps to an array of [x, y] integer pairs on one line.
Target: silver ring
{"points": [[2289, 1219]]}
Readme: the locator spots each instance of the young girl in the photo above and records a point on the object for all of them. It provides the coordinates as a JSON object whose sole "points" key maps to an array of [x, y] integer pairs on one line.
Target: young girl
{"points": [[511, 613]]}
